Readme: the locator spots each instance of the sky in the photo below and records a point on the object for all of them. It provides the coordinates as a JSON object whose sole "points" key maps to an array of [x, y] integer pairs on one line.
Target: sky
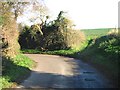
{"points": [[86, 14]]}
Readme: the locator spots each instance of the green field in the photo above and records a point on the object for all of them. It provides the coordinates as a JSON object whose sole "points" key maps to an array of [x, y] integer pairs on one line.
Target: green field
{"points": [[93, 33]]}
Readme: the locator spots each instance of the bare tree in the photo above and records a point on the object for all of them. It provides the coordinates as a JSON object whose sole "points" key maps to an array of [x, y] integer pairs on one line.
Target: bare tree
{"points": [[16, 6], [41, 11]]}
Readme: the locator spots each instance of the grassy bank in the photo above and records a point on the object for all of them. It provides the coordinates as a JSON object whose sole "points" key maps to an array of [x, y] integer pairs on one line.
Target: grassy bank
{"points": [[15, 70], [103, 53]]}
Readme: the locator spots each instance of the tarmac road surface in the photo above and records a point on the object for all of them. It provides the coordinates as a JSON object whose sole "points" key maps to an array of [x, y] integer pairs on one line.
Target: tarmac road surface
{"points": [[62, 72]]}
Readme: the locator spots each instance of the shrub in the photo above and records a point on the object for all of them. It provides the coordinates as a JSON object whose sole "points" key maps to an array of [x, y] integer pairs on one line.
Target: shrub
{"points": [[60, 39], [30, 37], [113, 32], [56, 35], [110, 44]]}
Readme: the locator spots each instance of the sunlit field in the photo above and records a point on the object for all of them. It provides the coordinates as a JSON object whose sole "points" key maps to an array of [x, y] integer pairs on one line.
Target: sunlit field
{"points": [[93, 33]]}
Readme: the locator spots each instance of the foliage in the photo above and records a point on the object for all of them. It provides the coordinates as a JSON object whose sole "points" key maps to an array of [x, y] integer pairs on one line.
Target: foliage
{"points": [[53, 36], [69, 52], [114, 31], [1, 20], [57, 40], [31, 51], [106, 45], [15, 70], [9, 33], [110, 45], [30, 37], [60, 34], [13, 66], [103, 53]]}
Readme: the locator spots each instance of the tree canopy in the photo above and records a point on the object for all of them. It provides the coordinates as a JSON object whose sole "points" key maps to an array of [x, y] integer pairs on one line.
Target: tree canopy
{"points": [[56, 35]]}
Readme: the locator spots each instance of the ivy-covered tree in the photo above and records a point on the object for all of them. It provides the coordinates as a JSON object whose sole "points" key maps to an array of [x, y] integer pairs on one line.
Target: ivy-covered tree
{"points": [[9, 33], [55, 35], [9, 11], [61, 35]]}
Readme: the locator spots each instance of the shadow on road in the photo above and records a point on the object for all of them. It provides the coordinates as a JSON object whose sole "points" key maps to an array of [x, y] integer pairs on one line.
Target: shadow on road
{"points": [[53, 80]]}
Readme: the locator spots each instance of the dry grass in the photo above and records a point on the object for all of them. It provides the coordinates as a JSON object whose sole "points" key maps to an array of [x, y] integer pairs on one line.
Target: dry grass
{"points": [[74, 38], [114, 32]]}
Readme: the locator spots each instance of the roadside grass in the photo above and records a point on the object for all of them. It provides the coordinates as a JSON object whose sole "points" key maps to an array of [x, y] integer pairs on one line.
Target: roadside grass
{"points": [[15, 70], [103, 54], [55, 52], [68, 52]]}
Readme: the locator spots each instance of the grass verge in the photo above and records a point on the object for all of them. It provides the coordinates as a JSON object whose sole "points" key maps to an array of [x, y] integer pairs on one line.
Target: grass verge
{"points": [[103, 54], [15, 70]]}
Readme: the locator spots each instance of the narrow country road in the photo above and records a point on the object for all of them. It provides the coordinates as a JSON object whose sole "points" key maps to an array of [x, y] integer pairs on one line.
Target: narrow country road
{"points": [[62, 72]]}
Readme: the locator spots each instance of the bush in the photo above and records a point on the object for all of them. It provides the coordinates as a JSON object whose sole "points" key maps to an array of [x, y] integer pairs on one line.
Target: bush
{"points": [[54, 36], [30, 37], [109, 44], [103, 53], [59, 39]]}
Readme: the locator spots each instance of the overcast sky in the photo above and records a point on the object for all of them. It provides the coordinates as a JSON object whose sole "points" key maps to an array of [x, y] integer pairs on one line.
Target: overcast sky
{"points": [[87, 13]]}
